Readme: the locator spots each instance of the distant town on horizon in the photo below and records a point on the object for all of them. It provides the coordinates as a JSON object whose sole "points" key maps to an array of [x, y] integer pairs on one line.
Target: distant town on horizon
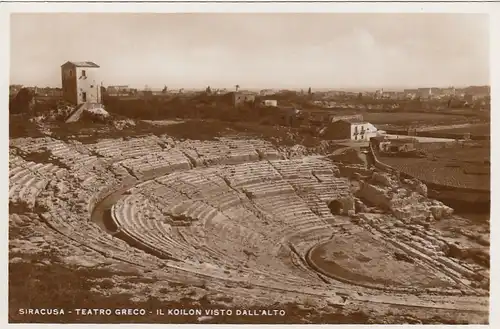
{"points": [[256, 89]]}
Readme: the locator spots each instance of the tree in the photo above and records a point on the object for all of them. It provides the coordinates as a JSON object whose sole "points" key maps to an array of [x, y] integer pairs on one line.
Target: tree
{"points": [[309, 91], [208, 90], [23, 102], [237, 87], [165, 89]]}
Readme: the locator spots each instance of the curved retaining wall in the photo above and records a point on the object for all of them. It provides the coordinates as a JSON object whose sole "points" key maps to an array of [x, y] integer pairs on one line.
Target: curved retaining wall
{"points": [[106, 192], [98, 204], [374, 286], [378, 164], [319, 269]]}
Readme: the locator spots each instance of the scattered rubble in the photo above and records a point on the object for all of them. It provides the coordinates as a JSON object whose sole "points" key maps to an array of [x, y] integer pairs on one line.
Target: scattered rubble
{"points": [[385, 191], [122, 124]]}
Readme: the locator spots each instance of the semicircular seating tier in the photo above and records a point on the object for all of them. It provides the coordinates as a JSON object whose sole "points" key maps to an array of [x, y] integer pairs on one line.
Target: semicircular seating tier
{"points": [[229, 210]]}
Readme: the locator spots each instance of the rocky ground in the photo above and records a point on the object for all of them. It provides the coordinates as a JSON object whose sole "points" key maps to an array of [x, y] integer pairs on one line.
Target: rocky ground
{"points": [[157, 222]]}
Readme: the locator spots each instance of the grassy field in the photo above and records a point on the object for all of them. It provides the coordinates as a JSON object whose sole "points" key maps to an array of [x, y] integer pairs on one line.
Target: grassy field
{"points": [[476, 129], [475, 152], [197, 129], [412, 118], [439, 173], [455, 166]]}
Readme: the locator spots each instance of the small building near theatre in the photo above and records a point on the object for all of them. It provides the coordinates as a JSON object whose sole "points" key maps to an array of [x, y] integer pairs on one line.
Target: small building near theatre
{"points": [[81, 83], [400, 145], [392, 145], [354, 129]]}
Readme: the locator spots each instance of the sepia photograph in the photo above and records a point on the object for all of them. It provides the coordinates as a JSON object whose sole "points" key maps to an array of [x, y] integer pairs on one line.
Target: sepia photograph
{"points": [[249, 167]]}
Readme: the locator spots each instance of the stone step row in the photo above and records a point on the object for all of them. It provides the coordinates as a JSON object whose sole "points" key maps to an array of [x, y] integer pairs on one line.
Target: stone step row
{"points": [[430, 255], [224, 201], [268, 188], [126, 149], [149, 234]]}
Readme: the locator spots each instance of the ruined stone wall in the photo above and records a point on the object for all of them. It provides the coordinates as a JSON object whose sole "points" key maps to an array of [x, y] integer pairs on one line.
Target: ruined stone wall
{"points": [[405, 202], [353, 170]]}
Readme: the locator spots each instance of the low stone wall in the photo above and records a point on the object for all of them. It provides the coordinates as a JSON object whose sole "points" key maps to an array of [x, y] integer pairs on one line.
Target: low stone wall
{"points": [[107, 191], [378, 164]]}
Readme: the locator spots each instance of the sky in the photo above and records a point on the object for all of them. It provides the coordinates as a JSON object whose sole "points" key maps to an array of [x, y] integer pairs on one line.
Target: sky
{"points": [[330, 50]]}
